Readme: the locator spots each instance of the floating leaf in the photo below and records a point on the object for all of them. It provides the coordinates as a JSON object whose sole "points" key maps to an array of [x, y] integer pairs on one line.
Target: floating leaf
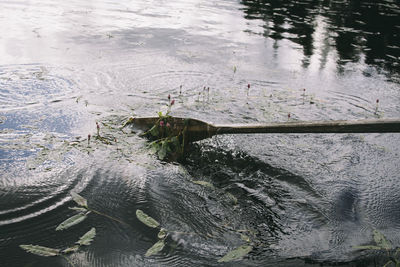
{"points": [[157, 247], [245, 238], [204, 183], [41, 251], [236, 254], [146, 219], [87, 238], [162, 234], [155, 146], [78, 209], [367, 247], [81, 201], [381, 240], [162, 152], [71, 249], [71, 221]]}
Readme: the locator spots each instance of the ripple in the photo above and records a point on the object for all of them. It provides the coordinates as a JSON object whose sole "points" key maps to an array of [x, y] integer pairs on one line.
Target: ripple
{"points": [[36, 196], [24, 86]]}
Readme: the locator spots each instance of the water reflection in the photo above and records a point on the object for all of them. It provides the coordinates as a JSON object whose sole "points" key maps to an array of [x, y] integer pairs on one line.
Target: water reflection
{"points": [[75, 63], [355, 31]]}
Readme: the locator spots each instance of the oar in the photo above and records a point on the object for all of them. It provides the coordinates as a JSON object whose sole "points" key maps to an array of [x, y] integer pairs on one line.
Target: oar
{"points": [[196, 130]]}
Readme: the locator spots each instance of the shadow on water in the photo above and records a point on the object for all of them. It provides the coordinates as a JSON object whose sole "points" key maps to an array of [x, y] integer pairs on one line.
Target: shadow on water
{"points": [[268, 203], [208, 202], [356, 30]]}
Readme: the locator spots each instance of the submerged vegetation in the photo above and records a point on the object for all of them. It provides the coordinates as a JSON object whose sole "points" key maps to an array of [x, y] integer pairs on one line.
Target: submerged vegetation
{"points": [[382, 244], [168, 145], [165, 140], [86, 239]]}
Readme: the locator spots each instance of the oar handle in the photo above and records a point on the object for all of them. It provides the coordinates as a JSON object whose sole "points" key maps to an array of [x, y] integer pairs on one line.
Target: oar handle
{"points": [[360, 126]]}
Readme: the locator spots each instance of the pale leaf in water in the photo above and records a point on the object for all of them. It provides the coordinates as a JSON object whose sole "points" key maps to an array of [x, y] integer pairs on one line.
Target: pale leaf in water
{"points": [[204, 183], [87, 238], [71, 249], [367, 247], [81, 201], [71, 221], [78, 209], [381, 240], [146, 219], [236, 254], [157, 247], [162, 234], [41, 251]]}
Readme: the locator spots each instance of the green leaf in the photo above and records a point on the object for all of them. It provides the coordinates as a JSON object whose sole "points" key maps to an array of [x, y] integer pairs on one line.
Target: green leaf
{"points": [[236, 254], [81, 201], [155, 146], [204, 183], [154, 131], [71, 249], [71, 221], [157, 247], [162, 234], [87, 238], [41, 251], [368, 247], [167, 146], [381, 240], [146, 219], [78, 209], [175, 142], [162, 152]]}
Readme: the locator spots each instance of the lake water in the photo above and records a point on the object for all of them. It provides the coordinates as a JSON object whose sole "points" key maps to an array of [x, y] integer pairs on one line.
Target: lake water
{"points": [[301, 199]]}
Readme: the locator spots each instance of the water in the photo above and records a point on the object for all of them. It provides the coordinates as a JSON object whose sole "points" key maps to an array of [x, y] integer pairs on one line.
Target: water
{"points": [[303, 200]]}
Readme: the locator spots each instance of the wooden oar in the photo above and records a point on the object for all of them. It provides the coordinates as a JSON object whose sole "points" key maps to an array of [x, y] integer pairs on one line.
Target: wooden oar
{"points": [[196, 130]]}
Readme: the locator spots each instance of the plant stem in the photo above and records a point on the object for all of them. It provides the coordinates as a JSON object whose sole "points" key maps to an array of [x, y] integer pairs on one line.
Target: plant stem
{"points": [[191, 233], [108, 216], [68, 260]]}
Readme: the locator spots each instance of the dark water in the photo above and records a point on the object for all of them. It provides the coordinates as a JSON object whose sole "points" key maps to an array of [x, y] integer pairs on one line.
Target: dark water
{"points": [[303, 200]]}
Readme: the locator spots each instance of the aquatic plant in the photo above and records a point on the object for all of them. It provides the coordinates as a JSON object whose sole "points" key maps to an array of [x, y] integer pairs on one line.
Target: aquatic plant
{"points": [[165, 141], [84, 240], [236, 254], [162, 234], [72, 221], [383, 244]]}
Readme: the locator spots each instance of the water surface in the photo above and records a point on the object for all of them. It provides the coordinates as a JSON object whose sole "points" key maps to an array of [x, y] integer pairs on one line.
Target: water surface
{"points": [[303, 200]]}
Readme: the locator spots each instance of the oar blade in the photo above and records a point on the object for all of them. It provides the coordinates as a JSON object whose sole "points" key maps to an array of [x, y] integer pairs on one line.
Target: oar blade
{"points": [[192, 129]]}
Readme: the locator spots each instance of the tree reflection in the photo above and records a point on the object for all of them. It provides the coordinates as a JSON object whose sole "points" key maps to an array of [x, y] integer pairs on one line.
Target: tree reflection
{"points": [[356, 30]]}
